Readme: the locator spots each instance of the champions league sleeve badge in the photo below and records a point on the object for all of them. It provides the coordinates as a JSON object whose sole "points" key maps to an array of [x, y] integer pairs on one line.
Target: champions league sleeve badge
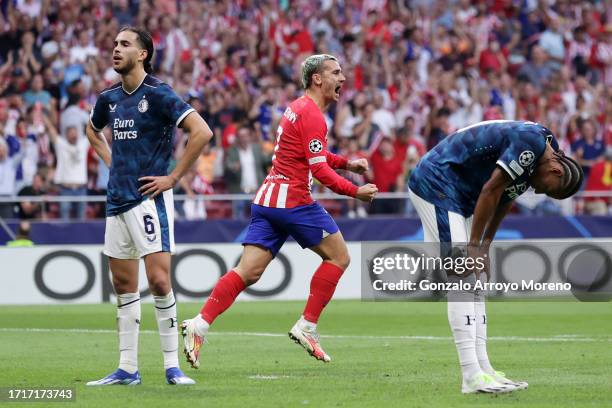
{"points": [[315, 146]]}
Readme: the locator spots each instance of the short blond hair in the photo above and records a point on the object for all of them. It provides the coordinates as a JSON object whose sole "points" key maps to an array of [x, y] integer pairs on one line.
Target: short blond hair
{"points": [[313, 65]]}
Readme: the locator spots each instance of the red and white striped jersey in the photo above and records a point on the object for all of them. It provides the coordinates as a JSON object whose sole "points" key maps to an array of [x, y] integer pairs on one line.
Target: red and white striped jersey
{"points": [[300, 152]]}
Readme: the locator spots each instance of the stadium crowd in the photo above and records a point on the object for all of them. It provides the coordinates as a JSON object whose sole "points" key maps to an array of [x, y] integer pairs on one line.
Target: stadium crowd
{"points": [[416, 71]]}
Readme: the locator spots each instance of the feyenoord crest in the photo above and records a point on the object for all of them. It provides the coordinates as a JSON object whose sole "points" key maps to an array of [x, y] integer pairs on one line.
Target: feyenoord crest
{"points": [[143, 105], [315, 146], [526, 158]]}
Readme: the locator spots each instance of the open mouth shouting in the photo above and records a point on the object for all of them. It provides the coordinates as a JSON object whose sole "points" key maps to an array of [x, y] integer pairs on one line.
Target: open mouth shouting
{"points": [[337, 91]]}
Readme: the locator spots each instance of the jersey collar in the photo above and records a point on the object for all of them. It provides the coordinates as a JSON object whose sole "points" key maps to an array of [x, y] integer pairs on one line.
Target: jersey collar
{"points": [[137, 88]]}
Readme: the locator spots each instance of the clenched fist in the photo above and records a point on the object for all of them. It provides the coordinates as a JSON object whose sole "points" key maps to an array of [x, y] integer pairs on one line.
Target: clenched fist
{"points": [[358, 166], [367, 192]]}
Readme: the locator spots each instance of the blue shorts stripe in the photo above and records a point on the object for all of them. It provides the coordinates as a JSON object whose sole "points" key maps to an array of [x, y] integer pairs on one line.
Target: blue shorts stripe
{"points": [[443, 226], [444, 234], [160, 206]]}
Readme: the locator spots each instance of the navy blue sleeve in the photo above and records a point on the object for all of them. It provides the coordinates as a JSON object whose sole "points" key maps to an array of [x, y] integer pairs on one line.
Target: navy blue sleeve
{"points": [[171, 106], [99, 114], [522, 154]]}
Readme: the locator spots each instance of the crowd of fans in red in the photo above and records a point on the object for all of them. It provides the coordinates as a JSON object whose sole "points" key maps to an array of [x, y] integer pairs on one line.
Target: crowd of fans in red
{"points": [[417, 70]]}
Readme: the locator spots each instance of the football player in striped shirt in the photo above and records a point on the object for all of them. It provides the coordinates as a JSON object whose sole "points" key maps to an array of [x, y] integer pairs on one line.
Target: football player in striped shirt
{"points": [[284, 206]]}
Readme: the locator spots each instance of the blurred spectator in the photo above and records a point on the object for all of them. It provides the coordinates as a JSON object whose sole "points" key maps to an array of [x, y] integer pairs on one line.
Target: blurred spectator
{"points": [[350, 150], [387, 172], [51, 81], [37, 93], [263, 112], [98, 176], [175, 42], [22, 238], [440, 128], [365, 130], [31, 8], [74, 116], [407, 140], [538, 69], [602, 56], [382, 117], [505, 93], [8, 171], [25, 144], [412, 159], [123, 12], [82, 49], [190, 184], [71, 171], [492, 59], [531, 103], [209, 166], [588, 149], [600, 180], [419, 51], [579, 50], [410, 148], [350, 115], [245, 167], [551, 41], [27, 209], [199, 181], [29, 55]]}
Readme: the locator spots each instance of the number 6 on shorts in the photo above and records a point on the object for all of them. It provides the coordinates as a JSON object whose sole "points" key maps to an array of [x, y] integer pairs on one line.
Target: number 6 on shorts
{"points": [[149, 226]]}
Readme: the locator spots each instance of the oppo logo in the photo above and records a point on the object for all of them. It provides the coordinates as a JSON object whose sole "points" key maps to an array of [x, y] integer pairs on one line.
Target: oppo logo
{"points": [[89, 270]]}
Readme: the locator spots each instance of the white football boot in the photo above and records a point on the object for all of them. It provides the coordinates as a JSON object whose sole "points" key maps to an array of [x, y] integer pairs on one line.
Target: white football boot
{"points": [[501, 378], [310, 340], [192, 342], [484, 383]]}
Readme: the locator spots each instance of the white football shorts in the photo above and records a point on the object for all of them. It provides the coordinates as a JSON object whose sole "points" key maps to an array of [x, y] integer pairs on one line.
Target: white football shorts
{"points": [[145, 229], [440, 225]]}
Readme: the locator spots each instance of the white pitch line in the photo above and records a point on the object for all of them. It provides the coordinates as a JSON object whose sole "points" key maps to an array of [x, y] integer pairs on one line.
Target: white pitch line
{"points": [[562, 338], [267, 377]]}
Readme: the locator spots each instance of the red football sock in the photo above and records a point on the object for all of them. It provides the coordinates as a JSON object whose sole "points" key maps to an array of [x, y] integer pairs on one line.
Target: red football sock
{"points": [[322, 287], [223, 295]]}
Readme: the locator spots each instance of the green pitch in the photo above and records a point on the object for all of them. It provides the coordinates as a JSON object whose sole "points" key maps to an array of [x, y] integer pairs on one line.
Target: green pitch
{"points": [[564, 351]]}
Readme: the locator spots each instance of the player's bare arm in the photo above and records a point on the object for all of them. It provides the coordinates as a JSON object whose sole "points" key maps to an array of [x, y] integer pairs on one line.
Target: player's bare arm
{"points": [[485, 211], [494, 223], [199, 135], [98, 142], [500, 213], [487, 203]]}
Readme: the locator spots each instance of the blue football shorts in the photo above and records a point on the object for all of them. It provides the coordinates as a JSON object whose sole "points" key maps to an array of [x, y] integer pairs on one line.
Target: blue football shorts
{"points": [[270, 227]]}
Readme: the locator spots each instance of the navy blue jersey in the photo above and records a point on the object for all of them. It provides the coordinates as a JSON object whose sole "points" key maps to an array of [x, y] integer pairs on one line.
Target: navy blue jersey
{"points": [[142, 124], [452, 174]]}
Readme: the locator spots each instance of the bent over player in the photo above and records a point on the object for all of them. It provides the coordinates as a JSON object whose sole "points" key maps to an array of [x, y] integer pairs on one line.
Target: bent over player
{"points": [[142, 112], [462, 189], [283, 206]]}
